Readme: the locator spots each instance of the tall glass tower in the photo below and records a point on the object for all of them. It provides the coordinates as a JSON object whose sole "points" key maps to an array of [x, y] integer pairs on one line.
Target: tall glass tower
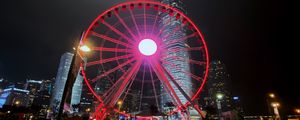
{"points": [[60, 81], [179, 76]]}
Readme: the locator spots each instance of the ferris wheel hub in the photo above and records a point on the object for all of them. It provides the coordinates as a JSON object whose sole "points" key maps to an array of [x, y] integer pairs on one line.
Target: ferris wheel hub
{"points": [[147, 47]]}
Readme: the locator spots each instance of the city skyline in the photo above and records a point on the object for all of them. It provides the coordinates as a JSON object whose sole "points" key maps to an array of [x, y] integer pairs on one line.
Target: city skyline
{"points": [[245, 35]]}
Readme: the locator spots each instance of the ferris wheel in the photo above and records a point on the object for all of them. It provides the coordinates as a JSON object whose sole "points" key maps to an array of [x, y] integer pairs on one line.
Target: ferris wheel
{"points": [[144, 54]]}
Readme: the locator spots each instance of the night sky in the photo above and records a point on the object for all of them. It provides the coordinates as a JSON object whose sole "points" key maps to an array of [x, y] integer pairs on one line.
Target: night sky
{"points": [[254, 38]]}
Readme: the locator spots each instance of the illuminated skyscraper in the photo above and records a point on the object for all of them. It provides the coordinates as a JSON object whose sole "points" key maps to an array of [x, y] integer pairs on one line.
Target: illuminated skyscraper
{"points": [[178, 75], [61, 79], [218, 82]]}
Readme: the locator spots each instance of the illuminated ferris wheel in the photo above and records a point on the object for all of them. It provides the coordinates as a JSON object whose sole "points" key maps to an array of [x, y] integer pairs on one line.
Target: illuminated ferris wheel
{"points": [[144, 54]]}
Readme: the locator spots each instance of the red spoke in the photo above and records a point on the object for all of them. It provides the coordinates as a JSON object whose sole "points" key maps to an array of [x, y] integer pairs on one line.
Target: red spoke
{"points": [[113, 70], [125, 25], [161, 75], [88, 85], [128, 88], [154, 24], [174, 31], [118, 32], [199, 111], [164, 27], [201, 63], [113, 89], [111, 49], [142, 89], [179, 69], [179, 39], [145, 22], [184, 49], [110, 39], [108, 60], [153, 86], [134, 21], [124, 84], [178, 86], [119, 81]]}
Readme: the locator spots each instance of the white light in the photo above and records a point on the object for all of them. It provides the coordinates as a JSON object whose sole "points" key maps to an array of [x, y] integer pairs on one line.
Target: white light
{"points": [[85, 48], [147, 47], [219, 96]]}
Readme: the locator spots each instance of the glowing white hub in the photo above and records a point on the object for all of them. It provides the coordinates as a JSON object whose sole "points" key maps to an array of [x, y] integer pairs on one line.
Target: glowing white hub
{"points": [[147, 47]]}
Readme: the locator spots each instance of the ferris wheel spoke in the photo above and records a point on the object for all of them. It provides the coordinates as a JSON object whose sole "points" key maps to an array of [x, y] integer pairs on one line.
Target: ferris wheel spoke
{"points": [[195, 77], [111, 49], [112, 70], [128, 88], [101, 61], [174, 50], [134, 21], [142, 89], [170, 42], [118, 32], [164, 27], [110, 39], [187, 97], [145, 22], [88, 85], [200, 63], [174, 31], [164, 80], [115, 85], [155, 21], [153, 86], [125, 25], [126, 80]]}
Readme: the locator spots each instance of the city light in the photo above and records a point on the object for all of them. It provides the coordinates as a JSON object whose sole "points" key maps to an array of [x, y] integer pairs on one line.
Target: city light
{"points": [[219, 96], [85, 48], [235, 98], [147, 47], [272, 95], [88, 110], [17, 102], [275, 104], [297, 110], [120, 102]]}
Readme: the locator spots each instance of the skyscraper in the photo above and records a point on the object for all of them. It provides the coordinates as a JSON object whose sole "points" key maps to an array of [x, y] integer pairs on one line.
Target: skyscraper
{"points": [[218, 82], [178, 75], [60, 81]]}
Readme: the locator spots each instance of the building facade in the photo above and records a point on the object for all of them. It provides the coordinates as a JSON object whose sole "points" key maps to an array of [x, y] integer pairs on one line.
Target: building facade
{"points": [[14, 97], [218, 82], [185, 81], [60, 81]]}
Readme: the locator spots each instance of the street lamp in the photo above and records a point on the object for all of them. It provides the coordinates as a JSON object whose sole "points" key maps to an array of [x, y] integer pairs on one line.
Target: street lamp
{"points": [[120, 102], [84, 48], [219, 97], [297, 110], [17, 102], [88, 110], [275, 105], [72, 74], [271, 95]]}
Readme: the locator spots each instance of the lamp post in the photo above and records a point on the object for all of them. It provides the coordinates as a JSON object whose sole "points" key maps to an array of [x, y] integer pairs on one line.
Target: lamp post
{"points": [[72, 74], [120, 102], [270, 99], [275, 106], [297, 110], [219, 97]]}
